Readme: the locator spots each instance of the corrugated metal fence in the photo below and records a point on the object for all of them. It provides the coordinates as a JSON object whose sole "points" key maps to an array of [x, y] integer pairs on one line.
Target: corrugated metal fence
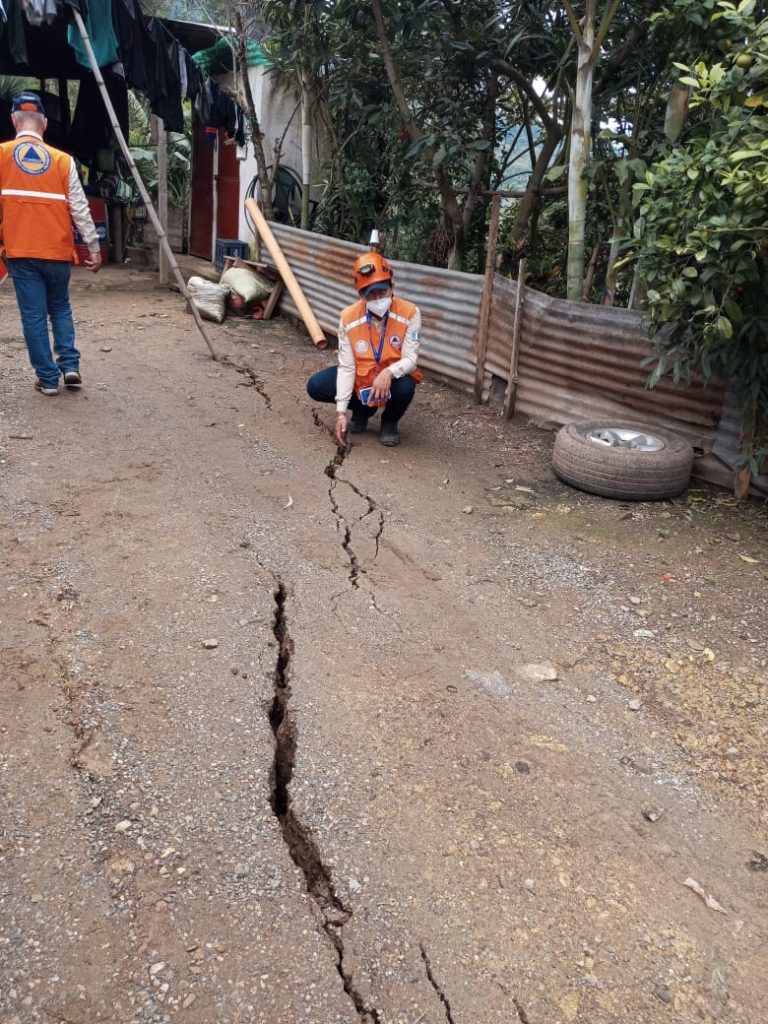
{"points": [[577, 361]]}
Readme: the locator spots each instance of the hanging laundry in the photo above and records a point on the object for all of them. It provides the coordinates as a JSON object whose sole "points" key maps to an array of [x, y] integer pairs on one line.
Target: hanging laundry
{"points": [[38, 11], [12, 33], [101, 30], [91, 131]]}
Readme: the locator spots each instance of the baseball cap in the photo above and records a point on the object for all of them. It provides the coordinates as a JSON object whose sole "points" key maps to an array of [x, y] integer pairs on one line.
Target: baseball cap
{"points": [[27, 101]]}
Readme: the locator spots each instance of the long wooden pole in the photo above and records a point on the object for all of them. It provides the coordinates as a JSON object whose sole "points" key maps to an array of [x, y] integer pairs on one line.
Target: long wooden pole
{"points": [[162, 190], [481, 336], [510, 396], [314, 329], [162, 236]]}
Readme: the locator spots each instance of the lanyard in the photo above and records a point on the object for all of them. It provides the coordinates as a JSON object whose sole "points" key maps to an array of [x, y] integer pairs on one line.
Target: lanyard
{"points": [[377, 350]]}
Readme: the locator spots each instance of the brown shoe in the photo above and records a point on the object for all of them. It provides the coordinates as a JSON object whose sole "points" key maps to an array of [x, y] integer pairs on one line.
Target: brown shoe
{"points": [[72, 379], [44, 389]]}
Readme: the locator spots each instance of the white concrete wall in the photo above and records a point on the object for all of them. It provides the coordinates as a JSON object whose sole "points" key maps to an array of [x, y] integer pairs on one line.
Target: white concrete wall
{"points": [[276, 108]]}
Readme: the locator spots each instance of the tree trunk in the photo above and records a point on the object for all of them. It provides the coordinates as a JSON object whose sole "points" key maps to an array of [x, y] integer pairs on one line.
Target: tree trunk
{"points": [[447, 195], [581, 141], [306, 152], [240, 53], [527, 204], [613, 255]]}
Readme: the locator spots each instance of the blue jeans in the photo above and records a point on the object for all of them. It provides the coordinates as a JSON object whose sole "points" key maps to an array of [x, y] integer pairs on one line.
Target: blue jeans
{"points": [[321, 387], [42, 291]]}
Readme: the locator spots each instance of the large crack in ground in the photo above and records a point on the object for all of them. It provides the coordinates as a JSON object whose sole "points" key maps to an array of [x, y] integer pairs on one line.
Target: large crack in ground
{"points": [[252, 378], [332, 472], [298, 839], [438, 990]]}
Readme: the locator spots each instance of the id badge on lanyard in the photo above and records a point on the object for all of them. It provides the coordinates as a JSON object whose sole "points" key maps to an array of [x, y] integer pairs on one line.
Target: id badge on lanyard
{"points": [[364, 394]]}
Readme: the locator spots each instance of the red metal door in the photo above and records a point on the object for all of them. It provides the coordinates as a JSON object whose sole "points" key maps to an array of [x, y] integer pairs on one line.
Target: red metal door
{"points": [[227, 190], [201, 213]]}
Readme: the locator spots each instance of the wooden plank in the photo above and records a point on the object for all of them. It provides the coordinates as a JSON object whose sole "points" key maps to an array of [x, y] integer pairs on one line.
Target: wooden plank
{"points": [[273, 300]]}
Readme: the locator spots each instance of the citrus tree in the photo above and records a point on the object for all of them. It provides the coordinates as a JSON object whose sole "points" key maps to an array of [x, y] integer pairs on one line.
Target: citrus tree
{"points": [[702, 230]]}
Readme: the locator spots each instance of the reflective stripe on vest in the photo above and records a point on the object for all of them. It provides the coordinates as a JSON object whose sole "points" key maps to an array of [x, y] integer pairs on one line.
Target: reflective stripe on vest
{"points": [[29, 192], [364, 337], [34, 185]]}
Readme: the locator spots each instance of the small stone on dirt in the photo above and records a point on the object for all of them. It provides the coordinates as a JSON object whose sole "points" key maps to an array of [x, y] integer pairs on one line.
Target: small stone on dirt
{"points": [[210, 645], [468, 510], [635, 704], [662, 993], [123, 826], [539, 672], [652, 813], [591, 698]]}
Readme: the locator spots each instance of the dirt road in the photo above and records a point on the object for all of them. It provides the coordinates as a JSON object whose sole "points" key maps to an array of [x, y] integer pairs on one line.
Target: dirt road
{"points": [[412, 735]]}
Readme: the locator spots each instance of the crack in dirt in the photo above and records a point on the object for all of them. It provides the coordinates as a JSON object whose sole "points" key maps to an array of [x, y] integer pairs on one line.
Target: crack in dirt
{"points": [[255, 381], [440, 993], [524, 1019], [297, 837], [342, 525], [332, 472]]}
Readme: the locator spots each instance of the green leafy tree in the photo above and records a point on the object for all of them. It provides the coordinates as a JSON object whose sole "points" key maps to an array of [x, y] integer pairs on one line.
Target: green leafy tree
{"points": [[702, 229]]}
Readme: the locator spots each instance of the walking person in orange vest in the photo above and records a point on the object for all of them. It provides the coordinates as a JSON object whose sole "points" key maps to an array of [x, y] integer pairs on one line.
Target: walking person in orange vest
{"points": [[40, 197], [378, 352]]}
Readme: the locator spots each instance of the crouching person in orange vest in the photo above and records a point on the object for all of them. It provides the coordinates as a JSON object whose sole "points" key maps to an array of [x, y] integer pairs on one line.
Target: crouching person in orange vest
{"points": [[40, 196], [378, 352]]}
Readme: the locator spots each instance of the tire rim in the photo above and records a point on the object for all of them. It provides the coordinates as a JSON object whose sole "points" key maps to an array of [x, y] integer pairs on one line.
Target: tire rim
{"points": [[625, 437]]}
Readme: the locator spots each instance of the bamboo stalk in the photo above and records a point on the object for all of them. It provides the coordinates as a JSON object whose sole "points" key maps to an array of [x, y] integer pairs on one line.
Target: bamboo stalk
{"points": [[510, 396], [162, 237], [481, 336]]}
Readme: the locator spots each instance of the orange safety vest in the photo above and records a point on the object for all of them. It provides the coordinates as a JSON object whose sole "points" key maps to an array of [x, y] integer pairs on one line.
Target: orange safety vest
{"points": [[367, 339], [35, 222]]}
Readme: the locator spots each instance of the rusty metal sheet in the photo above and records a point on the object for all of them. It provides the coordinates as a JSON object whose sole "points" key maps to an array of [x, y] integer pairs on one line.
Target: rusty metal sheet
{"points": [[728, 442], [577, 360], [449, 301], [580, 361]]}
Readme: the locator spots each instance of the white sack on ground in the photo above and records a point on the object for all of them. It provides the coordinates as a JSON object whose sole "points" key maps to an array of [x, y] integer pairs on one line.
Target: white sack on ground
{"points": [[210, 299], [249, 285]]}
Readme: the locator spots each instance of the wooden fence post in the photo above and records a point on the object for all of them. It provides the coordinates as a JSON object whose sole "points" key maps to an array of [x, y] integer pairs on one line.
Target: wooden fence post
{"points": [[481, 345], [510, 395]]}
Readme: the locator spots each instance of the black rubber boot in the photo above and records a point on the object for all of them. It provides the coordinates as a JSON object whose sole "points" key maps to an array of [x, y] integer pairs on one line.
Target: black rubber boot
{"points": [[389, 435], [358, 423]]}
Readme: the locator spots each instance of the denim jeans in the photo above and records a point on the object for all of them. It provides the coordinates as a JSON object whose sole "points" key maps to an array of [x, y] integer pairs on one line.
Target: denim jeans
{"points": [[321, 387], [42, 291]]}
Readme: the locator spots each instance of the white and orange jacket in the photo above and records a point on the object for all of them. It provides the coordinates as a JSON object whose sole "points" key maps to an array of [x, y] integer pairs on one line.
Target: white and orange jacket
{"points": [[40, 197], [360, 336]]}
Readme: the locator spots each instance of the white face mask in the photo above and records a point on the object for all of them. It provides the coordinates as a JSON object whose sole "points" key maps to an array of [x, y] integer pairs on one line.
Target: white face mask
{"points": [[378, 307]]}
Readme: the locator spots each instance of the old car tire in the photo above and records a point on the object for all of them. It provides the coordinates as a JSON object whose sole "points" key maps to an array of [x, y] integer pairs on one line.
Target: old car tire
{"points": [[628, 460]]}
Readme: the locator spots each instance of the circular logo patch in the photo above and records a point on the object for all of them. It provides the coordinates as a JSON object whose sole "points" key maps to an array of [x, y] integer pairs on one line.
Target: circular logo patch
{"points": [[32, 158], [395, 342], [361, 346]]}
